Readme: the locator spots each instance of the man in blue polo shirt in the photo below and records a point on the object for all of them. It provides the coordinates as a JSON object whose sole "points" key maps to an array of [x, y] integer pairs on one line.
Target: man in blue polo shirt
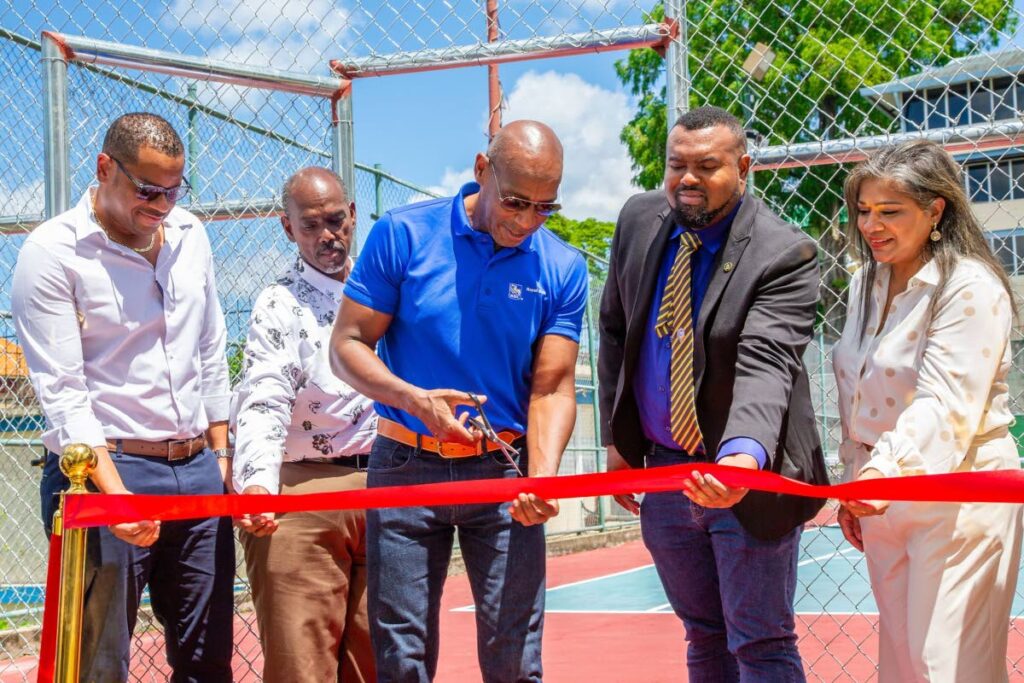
{"points": [[466, 294]]}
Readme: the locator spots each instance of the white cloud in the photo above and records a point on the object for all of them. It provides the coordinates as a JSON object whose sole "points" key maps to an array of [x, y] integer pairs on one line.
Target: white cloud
{"points": [[22, 200], [452, 181], [289, 36], [588, 119]]}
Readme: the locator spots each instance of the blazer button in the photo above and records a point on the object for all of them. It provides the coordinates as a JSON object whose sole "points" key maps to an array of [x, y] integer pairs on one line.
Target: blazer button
{"points": [[727, 267]]}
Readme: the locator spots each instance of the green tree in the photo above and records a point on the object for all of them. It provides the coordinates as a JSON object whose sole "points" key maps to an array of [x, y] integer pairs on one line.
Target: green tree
{"points": [[827, 50], [590, 235]]}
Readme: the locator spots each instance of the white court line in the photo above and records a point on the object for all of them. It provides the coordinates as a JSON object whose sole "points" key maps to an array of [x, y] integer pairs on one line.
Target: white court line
{"points": [[600, 578], [829, 556], [470, 608], [659, 607]]}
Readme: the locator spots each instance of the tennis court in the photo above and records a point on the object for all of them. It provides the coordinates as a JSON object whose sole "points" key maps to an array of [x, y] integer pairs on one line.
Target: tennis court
{"points": [[608, 618]]}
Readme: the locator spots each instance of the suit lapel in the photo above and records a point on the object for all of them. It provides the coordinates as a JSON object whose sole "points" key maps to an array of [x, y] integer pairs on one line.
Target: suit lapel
{"points": [[655, 238], [725, 265]]}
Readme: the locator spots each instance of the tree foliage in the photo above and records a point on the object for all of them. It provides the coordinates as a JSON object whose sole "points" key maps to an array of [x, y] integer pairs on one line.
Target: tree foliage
{"points": [[827, 50], [590, 235]]}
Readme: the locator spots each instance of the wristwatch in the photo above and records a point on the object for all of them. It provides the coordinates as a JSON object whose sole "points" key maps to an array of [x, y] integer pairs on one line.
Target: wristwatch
{"points": [[226, 453]]}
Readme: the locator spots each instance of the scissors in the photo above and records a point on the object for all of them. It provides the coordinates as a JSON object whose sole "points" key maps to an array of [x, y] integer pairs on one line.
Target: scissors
{"points": [[484, 425]]}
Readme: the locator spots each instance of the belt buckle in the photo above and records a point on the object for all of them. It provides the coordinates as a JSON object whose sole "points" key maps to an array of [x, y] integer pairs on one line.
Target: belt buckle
{"points": [[171, 457]]}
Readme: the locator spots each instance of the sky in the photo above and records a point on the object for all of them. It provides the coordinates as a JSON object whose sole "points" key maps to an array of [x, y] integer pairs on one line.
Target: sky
{"points": [[426, 127]]}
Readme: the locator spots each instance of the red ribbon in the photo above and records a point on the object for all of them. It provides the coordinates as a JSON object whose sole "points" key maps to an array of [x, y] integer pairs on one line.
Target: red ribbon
{"points": [[86, 510], [51, 607]]}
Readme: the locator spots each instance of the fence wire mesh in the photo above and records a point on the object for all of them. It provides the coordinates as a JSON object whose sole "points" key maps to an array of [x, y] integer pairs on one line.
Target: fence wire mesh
{"points": [[813, 80]]}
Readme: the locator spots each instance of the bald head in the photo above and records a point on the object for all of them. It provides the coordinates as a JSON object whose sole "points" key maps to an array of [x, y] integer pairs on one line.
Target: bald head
{"points": [[527, 147], [324, 179], [320, 219]]}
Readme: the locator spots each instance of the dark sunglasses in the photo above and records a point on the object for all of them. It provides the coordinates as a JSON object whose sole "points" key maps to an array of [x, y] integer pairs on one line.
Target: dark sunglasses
{"points": [[148, 193], [518, 205]]}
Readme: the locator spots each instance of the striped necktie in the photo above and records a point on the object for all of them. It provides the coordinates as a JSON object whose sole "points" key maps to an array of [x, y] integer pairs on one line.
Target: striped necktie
{"points": [[675, 317]]}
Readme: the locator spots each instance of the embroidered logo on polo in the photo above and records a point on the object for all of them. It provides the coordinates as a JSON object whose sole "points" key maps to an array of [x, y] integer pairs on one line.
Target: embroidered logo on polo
{"points": [[515, 291]]}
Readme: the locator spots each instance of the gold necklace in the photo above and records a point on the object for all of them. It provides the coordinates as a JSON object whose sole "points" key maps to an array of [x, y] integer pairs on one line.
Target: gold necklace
{"points": [[138, 250]]}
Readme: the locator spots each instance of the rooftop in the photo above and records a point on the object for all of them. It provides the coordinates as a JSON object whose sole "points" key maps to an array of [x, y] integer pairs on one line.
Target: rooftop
{"points": [[1005, 62]]}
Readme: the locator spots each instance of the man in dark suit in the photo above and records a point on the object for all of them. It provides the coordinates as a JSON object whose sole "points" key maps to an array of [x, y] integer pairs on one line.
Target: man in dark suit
{"points": [[708, 307]]}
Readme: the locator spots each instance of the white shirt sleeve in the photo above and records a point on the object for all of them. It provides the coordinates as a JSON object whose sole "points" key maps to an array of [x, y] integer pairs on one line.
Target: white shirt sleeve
{"points": [[965, 346], [214, 383], [266, 394], [47, 323]]}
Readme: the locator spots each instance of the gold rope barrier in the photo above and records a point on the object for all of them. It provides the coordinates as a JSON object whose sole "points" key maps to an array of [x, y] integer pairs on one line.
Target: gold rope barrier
{"points": [[77, 463]]}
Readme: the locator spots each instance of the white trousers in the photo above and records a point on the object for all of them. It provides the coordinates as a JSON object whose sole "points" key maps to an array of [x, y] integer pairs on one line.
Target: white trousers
{"points": [[944, 576]]}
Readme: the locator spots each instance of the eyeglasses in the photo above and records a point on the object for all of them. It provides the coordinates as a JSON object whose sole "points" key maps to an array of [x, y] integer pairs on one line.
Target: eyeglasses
{"points": [[148, 193], [517, 204]]}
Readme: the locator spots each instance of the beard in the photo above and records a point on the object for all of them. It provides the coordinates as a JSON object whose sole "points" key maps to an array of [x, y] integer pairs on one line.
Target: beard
{"points": [[329, 249], [698, 217]]}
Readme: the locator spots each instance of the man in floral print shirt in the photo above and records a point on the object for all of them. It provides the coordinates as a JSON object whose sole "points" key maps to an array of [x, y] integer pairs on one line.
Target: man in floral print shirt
{"points": [[299, 429]]}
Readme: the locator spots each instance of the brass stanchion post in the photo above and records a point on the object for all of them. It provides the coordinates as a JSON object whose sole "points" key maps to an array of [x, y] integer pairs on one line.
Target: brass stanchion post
{"points": [[77, 462]]}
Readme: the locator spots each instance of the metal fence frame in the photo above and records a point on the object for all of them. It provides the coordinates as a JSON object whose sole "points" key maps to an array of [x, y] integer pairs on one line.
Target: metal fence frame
{"points": [[110, 58]]}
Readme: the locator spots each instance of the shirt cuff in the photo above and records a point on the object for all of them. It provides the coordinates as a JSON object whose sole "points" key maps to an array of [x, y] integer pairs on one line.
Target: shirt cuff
{"points": [[82, 430], [742, 444], [217, 407], [267, 477]]}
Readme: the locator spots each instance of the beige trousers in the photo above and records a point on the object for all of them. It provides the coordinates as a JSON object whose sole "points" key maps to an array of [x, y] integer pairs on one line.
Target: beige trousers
{"points": [[309, 585], [944, 576]]}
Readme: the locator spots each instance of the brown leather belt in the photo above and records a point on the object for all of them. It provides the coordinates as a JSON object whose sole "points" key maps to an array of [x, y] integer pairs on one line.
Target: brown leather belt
{"points": [[176, 449], [401, 434]]}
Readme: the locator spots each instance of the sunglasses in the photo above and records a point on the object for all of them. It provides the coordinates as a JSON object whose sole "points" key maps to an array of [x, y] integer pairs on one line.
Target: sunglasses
{"points": [[148, 193], [518, 205]]}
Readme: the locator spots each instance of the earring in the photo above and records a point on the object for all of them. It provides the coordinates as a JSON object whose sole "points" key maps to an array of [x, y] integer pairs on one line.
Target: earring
{"points": [[935, 235]]}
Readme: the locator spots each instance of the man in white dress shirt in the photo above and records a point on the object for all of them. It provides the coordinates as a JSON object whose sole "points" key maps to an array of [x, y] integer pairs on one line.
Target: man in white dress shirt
{"points": [[116, 306], [299, 429]]}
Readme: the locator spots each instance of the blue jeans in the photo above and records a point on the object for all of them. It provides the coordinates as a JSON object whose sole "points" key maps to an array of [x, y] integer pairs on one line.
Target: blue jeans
{"points": [[190, 572], [733, 592], [408, 550]]}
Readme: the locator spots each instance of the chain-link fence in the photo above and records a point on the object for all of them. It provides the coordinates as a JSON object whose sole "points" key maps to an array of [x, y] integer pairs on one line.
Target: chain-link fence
{"points": [[817, 83]]}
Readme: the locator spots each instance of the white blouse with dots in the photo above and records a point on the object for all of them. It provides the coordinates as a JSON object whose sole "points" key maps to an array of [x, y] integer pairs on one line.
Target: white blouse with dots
{"points": [[918, 395]]}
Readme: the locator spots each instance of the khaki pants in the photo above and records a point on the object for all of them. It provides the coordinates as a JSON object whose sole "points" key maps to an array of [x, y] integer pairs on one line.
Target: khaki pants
{"points": [[944, 576], [309, 585]]}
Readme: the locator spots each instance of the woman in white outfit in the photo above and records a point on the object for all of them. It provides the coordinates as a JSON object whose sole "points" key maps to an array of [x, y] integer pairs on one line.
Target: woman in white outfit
{"points": [[922, 369]]}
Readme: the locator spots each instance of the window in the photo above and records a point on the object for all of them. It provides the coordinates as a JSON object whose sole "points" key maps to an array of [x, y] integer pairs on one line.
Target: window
{"points": [[995, 181], [999, 181], [1019, 86], [936, 109], [1008, 247], [981, 102], [1002, 99], [913, 113], [958, 115], [977, 183]]}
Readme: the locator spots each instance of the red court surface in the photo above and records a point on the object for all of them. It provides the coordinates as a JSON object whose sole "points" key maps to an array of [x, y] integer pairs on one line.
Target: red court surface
{"points": [[592, 647], [615, 647]]}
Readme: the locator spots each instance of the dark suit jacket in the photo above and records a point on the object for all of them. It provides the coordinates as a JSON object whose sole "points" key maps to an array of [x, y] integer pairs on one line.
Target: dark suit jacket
{"points": [[753, 326]]}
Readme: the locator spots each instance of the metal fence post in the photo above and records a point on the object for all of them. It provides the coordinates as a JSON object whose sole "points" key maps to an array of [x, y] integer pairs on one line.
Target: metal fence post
{"points": [[677, 70], [378, 199], [592, 343], [193, 141], [342, 141], [55, 127]]}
